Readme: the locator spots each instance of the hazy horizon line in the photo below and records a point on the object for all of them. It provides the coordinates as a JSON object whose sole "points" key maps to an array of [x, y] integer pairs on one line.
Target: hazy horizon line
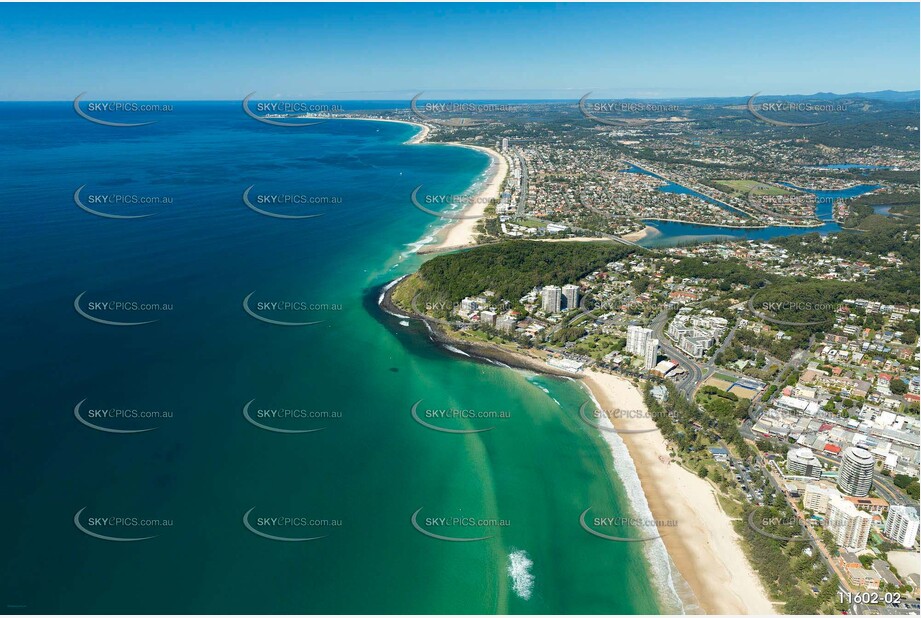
{"points": [[455, 97]]}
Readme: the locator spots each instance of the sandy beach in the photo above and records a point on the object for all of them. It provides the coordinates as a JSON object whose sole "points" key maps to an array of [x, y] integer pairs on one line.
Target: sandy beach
{"points": [[639, 234], [419, 137], [461, 234], [704, 547]]}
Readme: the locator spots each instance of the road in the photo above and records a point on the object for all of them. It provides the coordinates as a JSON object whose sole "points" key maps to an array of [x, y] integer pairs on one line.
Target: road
{"points": [[522, 207], [588, 232], [814, 539], [523, 195], [709, 368], [694, 374], [881, 483]]}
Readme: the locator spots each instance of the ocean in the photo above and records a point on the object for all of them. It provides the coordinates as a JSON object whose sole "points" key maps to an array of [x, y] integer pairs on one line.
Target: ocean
{"points": [[265, 467]]}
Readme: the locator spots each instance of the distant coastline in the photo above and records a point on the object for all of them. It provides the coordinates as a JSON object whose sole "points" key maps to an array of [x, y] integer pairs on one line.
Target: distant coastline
{"points": [[461, 234], [418, 138], [458, 233]]}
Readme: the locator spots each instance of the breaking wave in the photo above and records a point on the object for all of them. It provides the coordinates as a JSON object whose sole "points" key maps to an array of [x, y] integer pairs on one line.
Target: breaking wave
{"points": [[519, 569], [660, 562]]}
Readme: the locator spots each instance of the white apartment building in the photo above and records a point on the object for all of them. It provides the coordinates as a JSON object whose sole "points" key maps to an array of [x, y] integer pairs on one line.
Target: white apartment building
{"points": [[848, 525], [856, 473], [551, 297], [571, 294], [506, 323], [817, 497], [651, 354], [902, 525], [696, 334], [638, 339], [803, 462]]}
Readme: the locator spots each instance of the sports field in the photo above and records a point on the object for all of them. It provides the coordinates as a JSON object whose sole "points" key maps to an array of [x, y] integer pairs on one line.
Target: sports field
{"points": [[753, 186]]}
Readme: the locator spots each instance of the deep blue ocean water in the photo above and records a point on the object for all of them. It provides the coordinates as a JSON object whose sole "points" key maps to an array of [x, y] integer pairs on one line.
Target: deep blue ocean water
{"points": [[353, 375]]}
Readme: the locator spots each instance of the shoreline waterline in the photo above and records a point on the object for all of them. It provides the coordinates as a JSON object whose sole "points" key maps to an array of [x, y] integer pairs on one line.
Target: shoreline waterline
{"points": [[674, 591], [459, 233], [705, 548], [706, 572], [691, 586]]}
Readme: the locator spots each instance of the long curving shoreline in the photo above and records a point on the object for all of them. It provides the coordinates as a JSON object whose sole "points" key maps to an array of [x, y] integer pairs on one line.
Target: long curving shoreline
{"points": [[418, 138], [713, 573], [704, 547], [461, 234]]}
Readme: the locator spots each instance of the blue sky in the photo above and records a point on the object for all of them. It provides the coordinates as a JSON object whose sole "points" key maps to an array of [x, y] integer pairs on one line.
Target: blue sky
{"points": [[391, 51]]}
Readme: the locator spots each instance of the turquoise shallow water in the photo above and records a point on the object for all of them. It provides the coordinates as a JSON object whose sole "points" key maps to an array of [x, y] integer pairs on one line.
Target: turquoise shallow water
{"points": [[354, 376]]}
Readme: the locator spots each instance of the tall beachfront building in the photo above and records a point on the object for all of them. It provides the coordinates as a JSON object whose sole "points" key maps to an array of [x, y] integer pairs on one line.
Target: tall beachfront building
{"points": [[651, 354], [856, 474], [817, 497], [571, 294], [803, 462], [902, 525], [637, 339], [551, 295], [848, 525]]}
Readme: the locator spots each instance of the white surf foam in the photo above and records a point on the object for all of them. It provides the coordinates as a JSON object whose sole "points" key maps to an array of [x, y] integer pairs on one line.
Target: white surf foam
{"points": [[519, 569], [456, 351], [380, 298], [659, 561], [415, 246]]}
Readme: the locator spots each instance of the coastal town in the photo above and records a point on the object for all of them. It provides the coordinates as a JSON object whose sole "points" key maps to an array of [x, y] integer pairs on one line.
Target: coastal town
{"points": [[461, 309], [786, 386]]}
